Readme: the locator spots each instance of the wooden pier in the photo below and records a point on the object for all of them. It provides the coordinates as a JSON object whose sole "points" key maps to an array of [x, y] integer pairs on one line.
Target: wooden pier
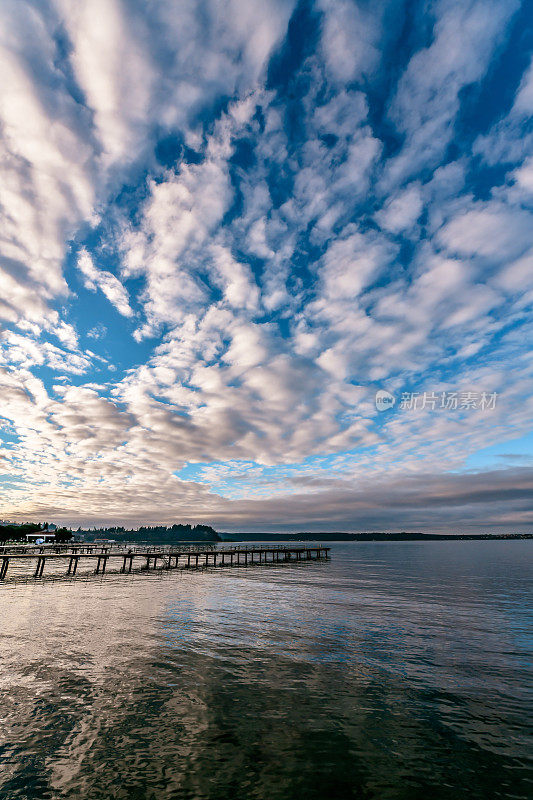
{"points": [[135, 559]]}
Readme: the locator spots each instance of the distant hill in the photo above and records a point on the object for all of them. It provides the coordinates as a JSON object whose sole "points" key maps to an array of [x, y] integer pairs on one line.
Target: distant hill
{"points": [[156, 534]]}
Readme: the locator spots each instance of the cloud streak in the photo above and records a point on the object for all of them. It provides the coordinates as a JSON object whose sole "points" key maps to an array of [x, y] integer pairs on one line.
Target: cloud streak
{"points": [[108, 284]]}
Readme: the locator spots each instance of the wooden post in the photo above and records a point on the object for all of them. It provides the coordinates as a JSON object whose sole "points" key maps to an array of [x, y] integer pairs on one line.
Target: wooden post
{"points": [[40, 567], [3, 568]]}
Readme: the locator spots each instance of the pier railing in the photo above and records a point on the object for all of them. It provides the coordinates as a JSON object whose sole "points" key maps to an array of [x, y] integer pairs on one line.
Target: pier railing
{"points": [[119, 547]]}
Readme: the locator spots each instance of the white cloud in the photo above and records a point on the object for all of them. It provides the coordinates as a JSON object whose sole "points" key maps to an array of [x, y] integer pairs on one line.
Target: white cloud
{"points": [[523, 103], [401, 211], [350, 38], [524, 176], [46, 166], [465, 37], [114, 70], [517, 276], [351, 262], [108, 284], [510, 140], [491, 230], [27, 352], [97, 332]]}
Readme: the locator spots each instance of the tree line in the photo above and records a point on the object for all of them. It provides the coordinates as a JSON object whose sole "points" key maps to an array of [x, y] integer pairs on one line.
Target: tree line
{"points": [[18, 533], [159, 534]]}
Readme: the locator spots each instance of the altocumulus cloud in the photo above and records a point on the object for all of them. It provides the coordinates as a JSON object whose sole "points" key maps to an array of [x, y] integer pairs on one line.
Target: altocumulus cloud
{"points": [[226, 226]]}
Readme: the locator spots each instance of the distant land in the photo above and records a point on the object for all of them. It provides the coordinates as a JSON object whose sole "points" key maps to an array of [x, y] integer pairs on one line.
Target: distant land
{"points": [[374, 536], [161, 534], [176, 533]]}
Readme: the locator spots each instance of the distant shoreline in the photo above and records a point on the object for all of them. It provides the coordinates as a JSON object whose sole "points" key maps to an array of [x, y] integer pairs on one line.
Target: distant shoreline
{"points": [[368, 537]]}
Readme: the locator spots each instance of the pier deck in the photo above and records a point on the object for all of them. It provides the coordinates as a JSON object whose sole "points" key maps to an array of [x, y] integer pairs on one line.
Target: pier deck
{"points": [[153, 558]]}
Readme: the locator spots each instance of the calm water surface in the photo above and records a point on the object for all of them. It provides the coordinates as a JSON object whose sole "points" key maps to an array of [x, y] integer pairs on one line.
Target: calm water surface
{"points": [[395, 670]]}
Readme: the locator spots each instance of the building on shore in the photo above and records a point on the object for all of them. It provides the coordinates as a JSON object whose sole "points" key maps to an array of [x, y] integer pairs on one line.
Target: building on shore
{"points": [[41, 537]]}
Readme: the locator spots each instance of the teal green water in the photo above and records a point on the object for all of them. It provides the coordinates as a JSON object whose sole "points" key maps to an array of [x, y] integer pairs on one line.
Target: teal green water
{"points": [[395, 670]]}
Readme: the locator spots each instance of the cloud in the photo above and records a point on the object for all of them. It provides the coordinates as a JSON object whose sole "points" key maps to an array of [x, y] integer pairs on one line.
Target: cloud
{"points": [[523, 103], [490, 230], [465, 37], [28, 352], [350, 39], [450, 504], [401, 211], [108, 284], [103, 40], [98, 332], [509, 140]]}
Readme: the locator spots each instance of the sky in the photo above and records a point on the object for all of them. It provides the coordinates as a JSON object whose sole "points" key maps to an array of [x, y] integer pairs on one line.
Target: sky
{"points": [[227, 225]]}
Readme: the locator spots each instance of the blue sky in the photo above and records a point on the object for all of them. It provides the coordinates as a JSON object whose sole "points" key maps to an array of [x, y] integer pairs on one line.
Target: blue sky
{"points": [[227, 225]]}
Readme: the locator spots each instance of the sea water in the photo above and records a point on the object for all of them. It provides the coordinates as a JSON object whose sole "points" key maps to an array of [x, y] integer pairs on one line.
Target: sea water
{"points": [[394, 670]]}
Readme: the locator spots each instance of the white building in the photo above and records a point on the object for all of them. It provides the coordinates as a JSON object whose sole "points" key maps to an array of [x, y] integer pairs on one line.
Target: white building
{"points": [[40, 537]]}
